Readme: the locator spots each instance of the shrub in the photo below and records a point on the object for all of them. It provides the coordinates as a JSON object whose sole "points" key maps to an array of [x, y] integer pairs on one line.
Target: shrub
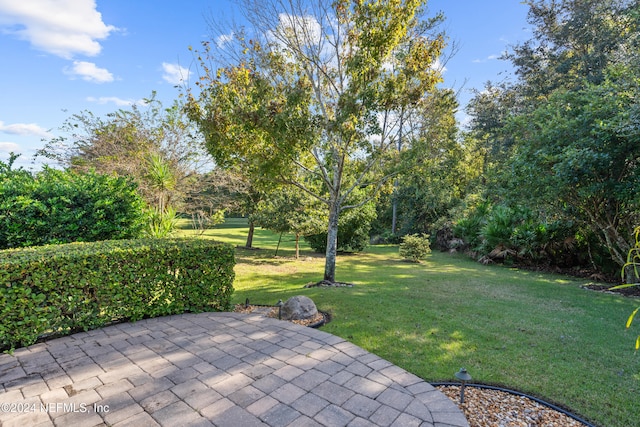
{"points": [[353, 231], [60, 289], [631, 276], [161, 224], [415, 247], [519, 234], [61, 206], [468, 227]]}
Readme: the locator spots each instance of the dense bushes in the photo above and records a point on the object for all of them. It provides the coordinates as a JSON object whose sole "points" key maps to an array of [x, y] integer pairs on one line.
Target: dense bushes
{"points": [[61, 206], [517, 234], [59, 289], [353, 231]]}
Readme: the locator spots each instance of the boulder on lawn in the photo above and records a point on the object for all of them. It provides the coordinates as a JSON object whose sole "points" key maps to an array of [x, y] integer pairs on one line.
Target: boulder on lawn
{"points": [[299, 308]]}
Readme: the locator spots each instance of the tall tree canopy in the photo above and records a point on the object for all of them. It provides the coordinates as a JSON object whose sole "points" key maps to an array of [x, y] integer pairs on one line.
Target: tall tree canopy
{"points": [[582, 151], [567, 132], [310, 90], [573, 43], [140, 142]]}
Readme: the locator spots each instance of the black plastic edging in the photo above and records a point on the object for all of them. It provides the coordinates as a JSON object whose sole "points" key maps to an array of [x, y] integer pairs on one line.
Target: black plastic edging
{"points": [[518, 393], [326, 318]]}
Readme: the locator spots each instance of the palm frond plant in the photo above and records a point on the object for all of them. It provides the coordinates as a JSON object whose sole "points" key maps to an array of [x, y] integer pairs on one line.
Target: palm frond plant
{"points": [[631, 276]]}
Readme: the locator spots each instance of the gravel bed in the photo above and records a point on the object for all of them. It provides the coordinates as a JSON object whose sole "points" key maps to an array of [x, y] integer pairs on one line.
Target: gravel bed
{"points": [[495, 408], [269, 311]]}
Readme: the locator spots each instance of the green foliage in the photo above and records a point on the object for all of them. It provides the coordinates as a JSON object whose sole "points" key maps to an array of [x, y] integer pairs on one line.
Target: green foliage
{"points": [[161, 224], [469, 225], [498, 228], [61, 206], [574, 42], [162, 180], [580, 149], [631, 276], [436, 168], [7, 170], [353, 231], [286, 109], [562, 139], [631, 269], [519, 234], [142, 142], [80, 286], [202, 221], [415, 247], [288, 210]]}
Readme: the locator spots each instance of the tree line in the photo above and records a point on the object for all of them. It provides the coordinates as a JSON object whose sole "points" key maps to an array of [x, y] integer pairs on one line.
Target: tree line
{"points": [[561, 140], [329, 120]]}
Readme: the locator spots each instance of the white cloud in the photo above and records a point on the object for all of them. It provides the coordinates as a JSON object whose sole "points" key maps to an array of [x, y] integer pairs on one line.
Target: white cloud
{"points": [[224, 39], [306, 28], [60, 27], [25, 129], [9, 147], [488, 58], [112, 99], [439, 66], [174, 73], [89, 71]]}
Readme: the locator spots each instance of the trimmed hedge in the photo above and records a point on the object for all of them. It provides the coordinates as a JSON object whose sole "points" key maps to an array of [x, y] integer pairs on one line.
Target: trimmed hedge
{"points": [[61, 289]]}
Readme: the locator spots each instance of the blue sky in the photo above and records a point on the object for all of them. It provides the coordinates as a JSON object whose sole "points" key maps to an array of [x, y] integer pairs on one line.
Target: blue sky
{"points": [[61, 57]]}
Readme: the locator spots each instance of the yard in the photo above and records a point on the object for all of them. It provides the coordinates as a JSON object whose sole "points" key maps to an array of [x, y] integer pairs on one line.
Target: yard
{"points": [[538, 333]]}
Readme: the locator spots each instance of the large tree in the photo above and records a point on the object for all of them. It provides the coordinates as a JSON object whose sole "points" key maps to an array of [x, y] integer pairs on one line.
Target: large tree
{"points": [[573, 43], [310, 90], [580, 154], [140, 142], [564, 137]]}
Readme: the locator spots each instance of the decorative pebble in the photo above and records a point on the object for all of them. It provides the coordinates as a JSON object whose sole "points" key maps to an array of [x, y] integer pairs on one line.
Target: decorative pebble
{"points": [[491, 408]]}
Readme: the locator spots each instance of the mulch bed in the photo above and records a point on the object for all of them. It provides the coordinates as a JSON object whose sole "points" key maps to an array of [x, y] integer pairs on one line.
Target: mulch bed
{"points": [[633, 291], [326, 283]]}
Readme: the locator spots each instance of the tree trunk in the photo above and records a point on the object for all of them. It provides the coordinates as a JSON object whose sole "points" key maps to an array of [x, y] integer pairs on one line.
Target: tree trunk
{"points": [[297, 245], [394, 218], [250, 235], [394, 207], [332, 243], [278, 245]]}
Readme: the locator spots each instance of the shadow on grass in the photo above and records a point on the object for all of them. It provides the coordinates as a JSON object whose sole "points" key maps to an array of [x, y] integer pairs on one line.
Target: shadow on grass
{"points": [[536, 332]]}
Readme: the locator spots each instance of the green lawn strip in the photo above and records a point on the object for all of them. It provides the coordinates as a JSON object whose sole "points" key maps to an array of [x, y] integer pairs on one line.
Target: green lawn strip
{"points": [[533, 332]]}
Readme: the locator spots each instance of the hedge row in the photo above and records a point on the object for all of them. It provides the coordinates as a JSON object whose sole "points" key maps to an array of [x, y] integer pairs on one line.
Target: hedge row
{"points": [[55, 206], [61, 289]]}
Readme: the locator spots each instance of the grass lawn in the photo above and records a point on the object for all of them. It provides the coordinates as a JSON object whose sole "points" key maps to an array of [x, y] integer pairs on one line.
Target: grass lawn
{"points": [[537, 333]]}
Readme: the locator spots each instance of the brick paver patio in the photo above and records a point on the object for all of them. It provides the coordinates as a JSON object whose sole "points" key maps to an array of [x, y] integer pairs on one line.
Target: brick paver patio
{"points": [[212, 369]]}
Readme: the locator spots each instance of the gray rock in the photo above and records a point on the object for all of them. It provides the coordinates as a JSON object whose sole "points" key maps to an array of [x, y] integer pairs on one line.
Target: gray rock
{"points": [[299, 308]]}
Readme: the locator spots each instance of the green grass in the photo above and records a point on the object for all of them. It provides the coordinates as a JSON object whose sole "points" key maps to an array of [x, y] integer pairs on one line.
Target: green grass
{"points": [[537, 333]]}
